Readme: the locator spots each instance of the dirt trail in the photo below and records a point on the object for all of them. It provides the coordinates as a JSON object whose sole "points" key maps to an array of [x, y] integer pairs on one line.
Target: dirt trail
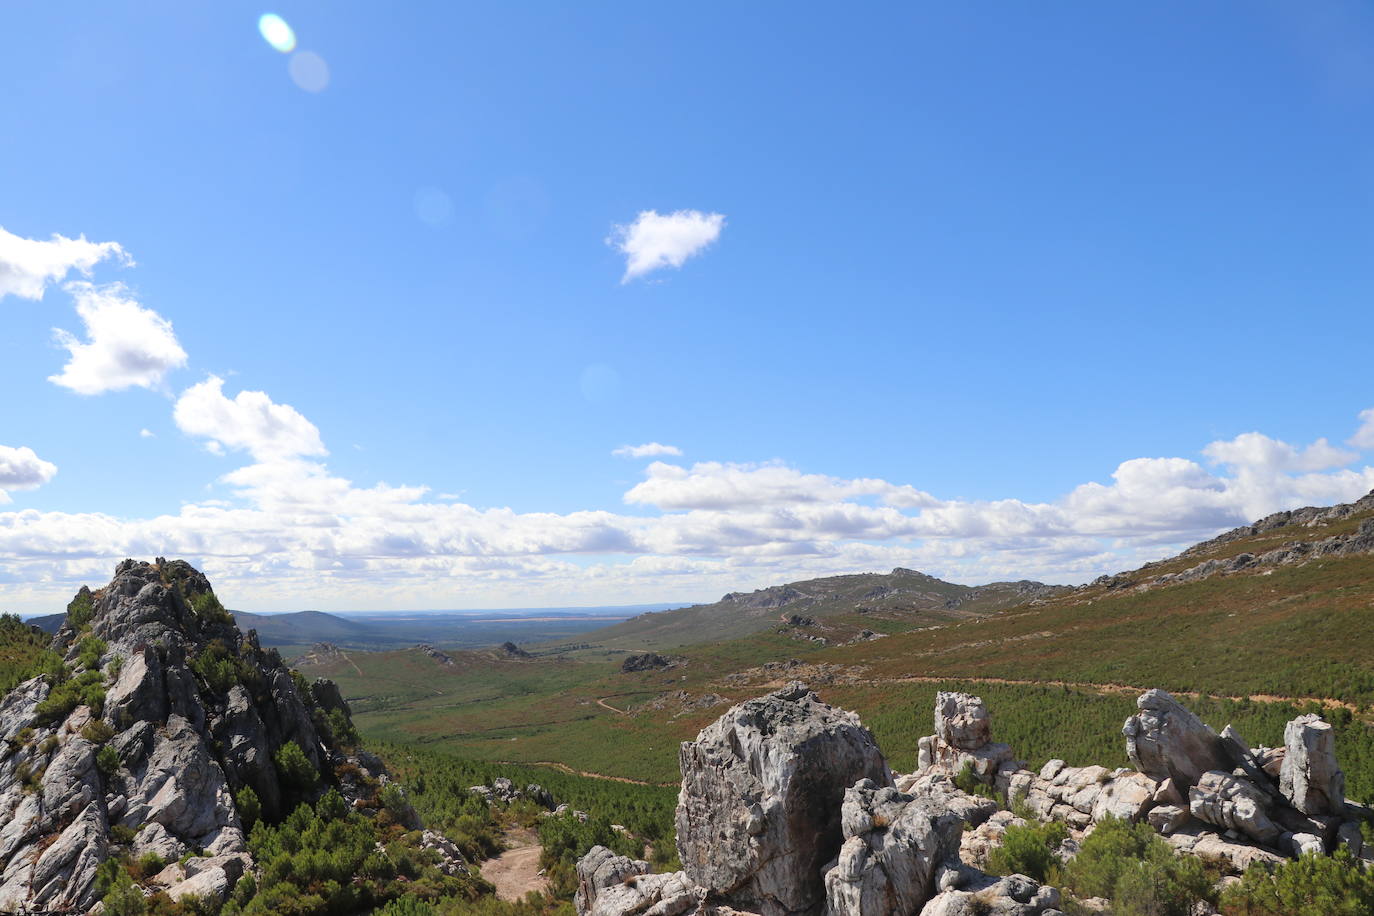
{"points": [[600, 701], [515, 872], [554, 764]]}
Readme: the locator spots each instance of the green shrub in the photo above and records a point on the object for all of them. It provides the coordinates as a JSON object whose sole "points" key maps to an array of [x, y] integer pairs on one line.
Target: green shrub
{"points": [[97, 731], [968, 781], [81, 609], [1138, 871], [1029, 849], [87, 687], [295, 769], [107, 760], [209, 610], [250, 807], [89, 651], [1314, 885]]}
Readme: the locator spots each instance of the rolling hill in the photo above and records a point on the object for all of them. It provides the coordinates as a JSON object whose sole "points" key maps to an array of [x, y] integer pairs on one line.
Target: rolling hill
{"points": [[843, 605]]}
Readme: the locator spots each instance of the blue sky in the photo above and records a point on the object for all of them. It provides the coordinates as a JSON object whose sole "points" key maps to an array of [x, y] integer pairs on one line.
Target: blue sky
{"points": [[990, 291]]}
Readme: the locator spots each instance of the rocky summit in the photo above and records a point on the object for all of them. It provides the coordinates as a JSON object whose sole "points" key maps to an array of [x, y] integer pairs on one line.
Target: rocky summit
{"points": [[160, 722]]}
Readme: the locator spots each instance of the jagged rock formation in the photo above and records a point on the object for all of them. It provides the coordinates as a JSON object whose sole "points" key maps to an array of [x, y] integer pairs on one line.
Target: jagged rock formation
{"points": [[167, 712], [894, 844], [787, 808], [511, 650], [439, 655], [963, 737]]}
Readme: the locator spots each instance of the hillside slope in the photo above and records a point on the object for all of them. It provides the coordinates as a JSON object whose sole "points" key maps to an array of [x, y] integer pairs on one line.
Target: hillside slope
{"points": [[899, 600]]}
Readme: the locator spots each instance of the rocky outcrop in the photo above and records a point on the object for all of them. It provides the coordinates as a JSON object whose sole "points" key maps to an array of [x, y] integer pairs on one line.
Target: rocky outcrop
{"points": [[759, 810], [1233, 803], [977, 894], [1166, 741], [179, 712], [1309, 777], [963, 737], [505, 791], [646, 661], [894, 844]]}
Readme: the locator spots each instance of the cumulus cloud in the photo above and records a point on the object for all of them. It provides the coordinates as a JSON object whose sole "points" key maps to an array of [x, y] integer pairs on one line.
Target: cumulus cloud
{"points": [[27, 266], [127, 345], [1364, 436], [714, 485], [657, 240], [22, 469], [250, 421], [647, 450], [287, 532]]}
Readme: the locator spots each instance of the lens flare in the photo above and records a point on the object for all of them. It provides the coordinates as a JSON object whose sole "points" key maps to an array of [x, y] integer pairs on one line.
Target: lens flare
{"points": [[277, 33], [309, 71]]}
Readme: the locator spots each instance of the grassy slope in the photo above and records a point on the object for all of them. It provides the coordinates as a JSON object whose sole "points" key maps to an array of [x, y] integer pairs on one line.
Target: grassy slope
{"points": [[23, 652], [1292, 632]]}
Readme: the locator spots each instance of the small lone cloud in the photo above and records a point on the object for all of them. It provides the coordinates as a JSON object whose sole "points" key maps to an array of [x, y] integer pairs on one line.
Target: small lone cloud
{"points": [[654, 240], [147, 434], [647, 450]]}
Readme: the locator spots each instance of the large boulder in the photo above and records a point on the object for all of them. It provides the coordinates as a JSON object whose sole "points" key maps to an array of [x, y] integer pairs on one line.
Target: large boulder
{"points": [[759, 811], [894, 844], [1166, 741], [985, 895], [1310, 778]]}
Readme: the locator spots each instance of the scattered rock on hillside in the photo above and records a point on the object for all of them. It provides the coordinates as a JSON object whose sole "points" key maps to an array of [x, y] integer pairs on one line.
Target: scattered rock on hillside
{"points": [[647, 661], [511, 650], [442, 657]]}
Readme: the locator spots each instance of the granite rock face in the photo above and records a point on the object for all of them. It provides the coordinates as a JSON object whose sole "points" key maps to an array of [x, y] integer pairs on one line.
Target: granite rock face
{"points": [[759, 813], [1309, 777], [1166, 741]]}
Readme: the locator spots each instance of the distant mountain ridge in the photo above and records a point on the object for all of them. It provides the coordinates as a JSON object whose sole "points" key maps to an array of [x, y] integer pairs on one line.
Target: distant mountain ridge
{"points": [[902, 597]]}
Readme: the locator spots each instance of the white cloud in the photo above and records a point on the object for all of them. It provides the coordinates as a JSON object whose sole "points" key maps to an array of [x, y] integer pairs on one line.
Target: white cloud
{"points": [[1364, 436], [128, 345], [147, 434], [22, 469], [654, 241], [1257, 451], [285, 532], [27, 266], [714, 485], [250, 422], [647, 450]]}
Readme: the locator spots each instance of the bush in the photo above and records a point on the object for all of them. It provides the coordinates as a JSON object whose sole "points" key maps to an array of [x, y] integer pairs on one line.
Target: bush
{"points": [[209, 610], [89, 651], [250, 807], [1030, 850], [107, 760], [1314, 885], [65, 696], [295, 769], [97, 731], [81, 609], [968, 781], [1138, 871]]}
